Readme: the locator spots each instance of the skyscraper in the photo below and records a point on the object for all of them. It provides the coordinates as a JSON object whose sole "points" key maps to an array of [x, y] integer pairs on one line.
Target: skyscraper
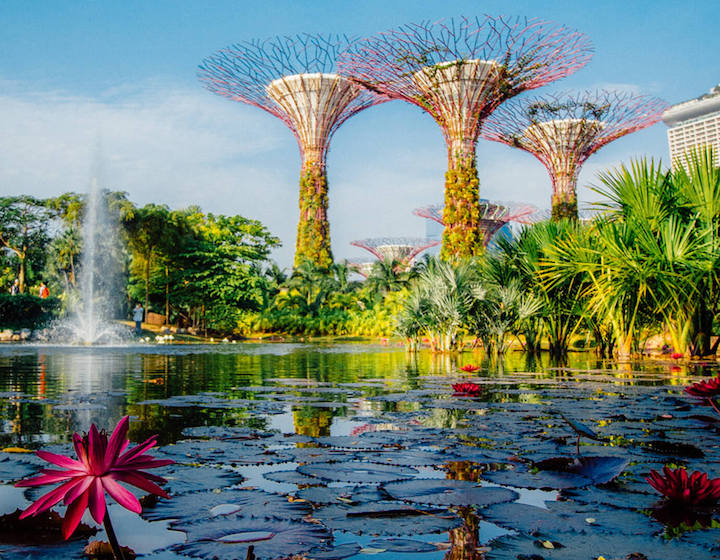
{"points": [[694, 124]]}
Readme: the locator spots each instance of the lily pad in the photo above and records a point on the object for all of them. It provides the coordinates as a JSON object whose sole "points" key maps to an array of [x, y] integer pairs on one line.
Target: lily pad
{"points": [[357, 472], [341, 494], [229, 537], [590, 547], [290, 477], [567, 518], [345, 550], [182, 479], [403, 545], [600, 470], [448, 492], [249, 503], [383, 518]]}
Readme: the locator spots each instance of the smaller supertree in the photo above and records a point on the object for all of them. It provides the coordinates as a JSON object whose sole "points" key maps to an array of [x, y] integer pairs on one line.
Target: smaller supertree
{"points": [[493, 215], [401, 249], [363, 268], [563, 130]]}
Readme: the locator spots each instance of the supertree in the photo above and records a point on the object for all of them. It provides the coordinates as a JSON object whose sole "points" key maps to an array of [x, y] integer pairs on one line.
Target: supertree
{"points": [[459, 72], [295, 79], [401, 249], [363, 268], [563, 130], [492, 215]]}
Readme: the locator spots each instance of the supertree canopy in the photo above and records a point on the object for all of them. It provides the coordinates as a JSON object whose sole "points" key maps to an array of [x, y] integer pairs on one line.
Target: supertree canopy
{"points": [[402, 249], [295, 79], [492, 215], [459, 72], [562, 131]]}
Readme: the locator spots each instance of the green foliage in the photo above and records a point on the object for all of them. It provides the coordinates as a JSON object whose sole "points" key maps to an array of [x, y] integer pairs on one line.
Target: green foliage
{"points": [[25, 223], [313, 237], [462, 237], [26, 311]]}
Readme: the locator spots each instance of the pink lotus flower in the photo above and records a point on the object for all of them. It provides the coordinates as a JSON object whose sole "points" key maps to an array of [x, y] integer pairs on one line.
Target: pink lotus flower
{"points": [[467, 389], [676, 486], [470, 368], [99, 468]]}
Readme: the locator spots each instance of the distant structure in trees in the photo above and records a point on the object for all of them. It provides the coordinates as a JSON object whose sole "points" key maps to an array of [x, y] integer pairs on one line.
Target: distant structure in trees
{"points": [[363, 268], [562, 131], [694, 125], [459, 72], [401, 249], [493, 215], [295, 79]]}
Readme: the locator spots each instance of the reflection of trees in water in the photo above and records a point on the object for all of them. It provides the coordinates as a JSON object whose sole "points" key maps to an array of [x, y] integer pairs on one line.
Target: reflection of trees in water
{"points": [[313, 421], [464, 539]]}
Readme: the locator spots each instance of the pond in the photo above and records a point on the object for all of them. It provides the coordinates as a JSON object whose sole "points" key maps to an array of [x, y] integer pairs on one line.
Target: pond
{"points": [[331, 450]]}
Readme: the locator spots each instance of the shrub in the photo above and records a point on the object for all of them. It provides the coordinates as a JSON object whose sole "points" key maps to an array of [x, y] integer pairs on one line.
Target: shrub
{"points": [[26, 311]]}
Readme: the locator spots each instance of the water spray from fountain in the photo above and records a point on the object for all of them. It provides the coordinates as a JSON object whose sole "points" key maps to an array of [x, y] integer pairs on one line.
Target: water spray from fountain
{"points": [[95, 302]]}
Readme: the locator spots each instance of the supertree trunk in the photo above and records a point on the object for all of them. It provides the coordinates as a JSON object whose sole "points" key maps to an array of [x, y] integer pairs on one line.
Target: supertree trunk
{"points": [[462, 236], [313, 233], [564, 197]]}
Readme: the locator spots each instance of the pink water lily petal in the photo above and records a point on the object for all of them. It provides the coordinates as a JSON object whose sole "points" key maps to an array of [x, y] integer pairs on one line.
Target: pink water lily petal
{"points": [[59, 460], [82, 486], [96, 500], [121, 495], [137, 450], [42, 480], [74, 514], [118, 437], [50, 499], [139, 480], [96, 451], [80, 450]]}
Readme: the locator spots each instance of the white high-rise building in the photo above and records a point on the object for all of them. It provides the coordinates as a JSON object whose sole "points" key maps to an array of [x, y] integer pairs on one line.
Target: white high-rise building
{"points": [[694, 124]]}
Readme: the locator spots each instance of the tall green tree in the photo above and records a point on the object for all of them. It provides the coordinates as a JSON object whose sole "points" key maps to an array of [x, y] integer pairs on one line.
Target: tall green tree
{"points": [[24, 231]]}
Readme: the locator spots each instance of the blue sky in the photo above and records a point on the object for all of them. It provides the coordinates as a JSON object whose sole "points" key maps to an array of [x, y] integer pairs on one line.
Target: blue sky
{"points": [[122, 74]]}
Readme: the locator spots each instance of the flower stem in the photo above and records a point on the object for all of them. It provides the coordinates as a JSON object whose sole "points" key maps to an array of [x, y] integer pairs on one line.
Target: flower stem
{"points": [[117, 552], [715, 407]]}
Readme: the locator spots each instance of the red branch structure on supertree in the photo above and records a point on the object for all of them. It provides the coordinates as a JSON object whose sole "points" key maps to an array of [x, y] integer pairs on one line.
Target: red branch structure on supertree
{"points": [[363, 268], [401, 249], [563, 130], [493, 215], [295, 79], [459, 72]]}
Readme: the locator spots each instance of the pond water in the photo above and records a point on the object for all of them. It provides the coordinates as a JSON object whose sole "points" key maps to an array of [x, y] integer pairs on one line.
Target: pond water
{"points": [[358, 450]]}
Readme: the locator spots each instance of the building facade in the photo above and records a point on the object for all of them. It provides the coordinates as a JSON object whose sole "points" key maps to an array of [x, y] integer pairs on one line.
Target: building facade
{"points": [[694, 124]]}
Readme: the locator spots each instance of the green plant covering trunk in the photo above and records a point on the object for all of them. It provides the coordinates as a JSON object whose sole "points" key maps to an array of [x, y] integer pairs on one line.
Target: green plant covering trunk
{"points": [[462, 236], [564, 198], [313, 236]]}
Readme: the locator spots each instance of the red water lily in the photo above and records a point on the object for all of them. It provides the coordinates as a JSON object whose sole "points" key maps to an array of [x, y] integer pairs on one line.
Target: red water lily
{"points": [[677, 355], [470, 368], [100, 465], [677, 486], [467, 389], [707, 389]]}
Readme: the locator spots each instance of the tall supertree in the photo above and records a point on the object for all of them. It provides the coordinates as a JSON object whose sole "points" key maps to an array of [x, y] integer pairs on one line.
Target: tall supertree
{"points": [[295, 79], [493, 216], [402, 249], [563, 130], [459, 72]]}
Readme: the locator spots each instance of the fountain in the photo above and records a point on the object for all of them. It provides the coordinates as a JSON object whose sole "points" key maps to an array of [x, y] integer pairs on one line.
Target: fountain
{"points": [[93, 305]]}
